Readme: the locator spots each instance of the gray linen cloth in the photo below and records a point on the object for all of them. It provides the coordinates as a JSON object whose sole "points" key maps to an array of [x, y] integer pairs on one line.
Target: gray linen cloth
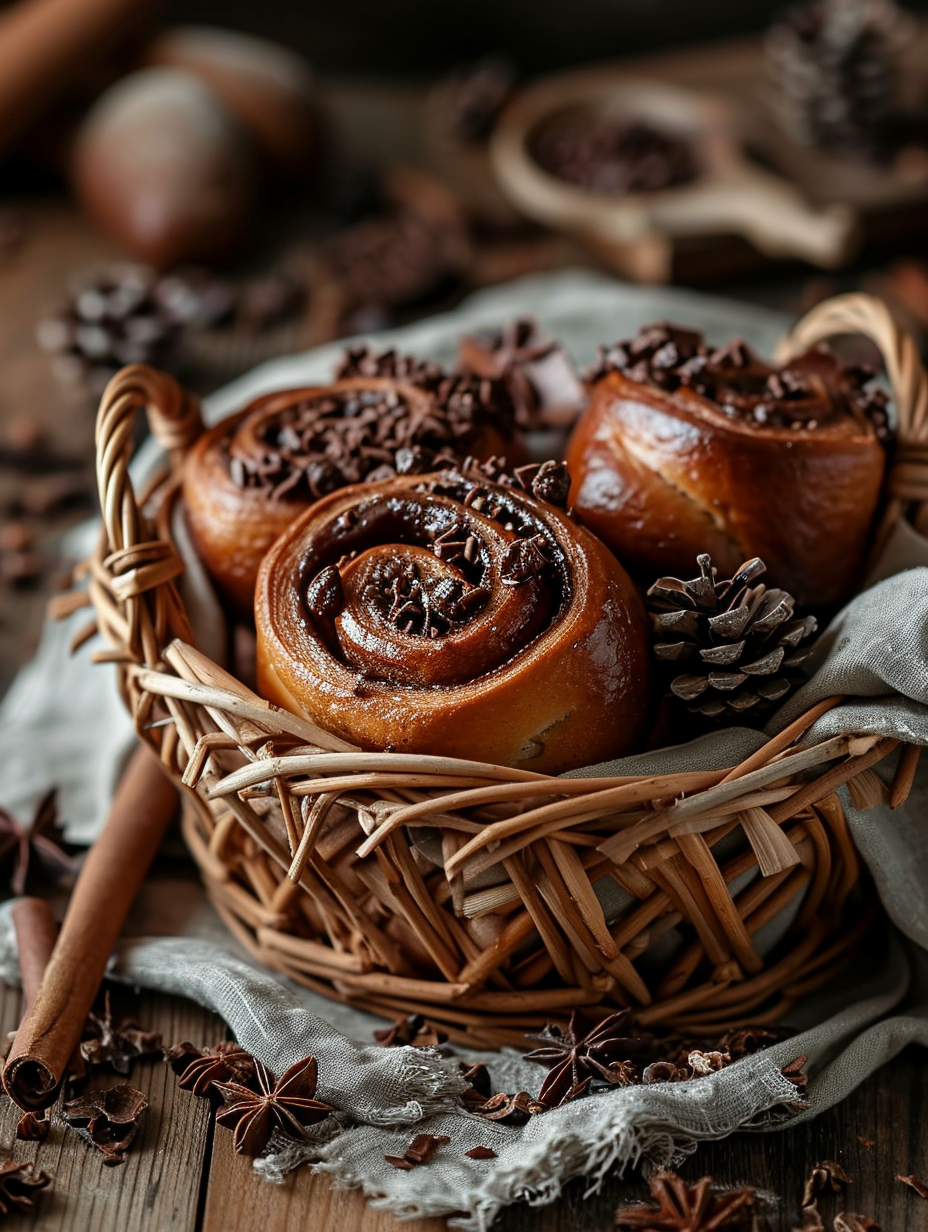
{"points": [[876, 650]]}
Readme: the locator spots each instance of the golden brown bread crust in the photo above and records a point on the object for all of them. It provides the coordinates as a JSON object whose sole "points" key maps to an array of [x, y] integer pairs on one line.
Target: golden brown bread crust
{"points": [[661, 476], [236, 484], [542, 664]]}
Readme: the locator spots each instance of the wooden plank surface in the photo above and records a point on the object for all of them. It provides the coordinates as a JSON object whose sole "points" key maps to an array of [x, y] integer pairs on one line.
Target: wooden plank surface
{"points": [[180, 1176]]}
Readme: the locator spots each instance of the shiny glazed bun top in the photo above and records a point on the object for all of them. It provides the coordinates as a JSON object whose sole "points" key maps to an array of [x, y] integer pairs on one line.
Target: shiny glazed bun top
{"points": [[248, 477], [685, 449], [451, 614]]}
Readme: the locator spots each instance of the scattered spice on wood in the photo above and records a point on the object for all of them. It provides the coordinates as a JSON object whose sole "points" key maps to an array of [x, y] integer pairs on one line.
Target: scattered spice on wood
{"points": [[19, 1181], [920, 1187], [689, 1208], [825, 1175], [200, 1070], [108, 1120], [867, 1143], [414, 1031], [577, 1052], [36, 847], [845, 1221], [116, 1046], [480, 1152], [284, 1103], [33, 1126]]}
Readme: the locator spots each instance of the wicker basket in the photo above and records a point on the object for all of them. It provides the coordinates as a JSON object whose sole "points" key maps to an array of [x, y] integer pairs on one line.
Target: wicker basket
{"points": [[471, 892]]}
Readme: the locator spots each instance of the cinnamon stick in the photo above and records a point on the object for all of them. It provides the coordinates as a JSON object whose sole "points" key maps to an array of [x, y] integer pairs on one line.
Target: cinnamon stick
{"points": [[48, 45], [107, 886], [36, 932]]}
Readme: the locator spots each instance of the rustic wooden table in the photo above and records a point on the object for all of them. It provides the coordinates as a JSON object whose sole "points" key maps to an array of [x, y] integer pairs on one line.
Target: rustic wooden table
{"points": [[180, 1174]]}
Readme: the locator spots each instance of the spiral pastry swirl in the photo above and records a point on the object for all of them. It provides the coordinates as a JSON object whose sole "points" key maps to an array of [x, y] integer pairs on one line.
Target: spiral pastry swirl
{"points": [[444, 613], [251, 475]]}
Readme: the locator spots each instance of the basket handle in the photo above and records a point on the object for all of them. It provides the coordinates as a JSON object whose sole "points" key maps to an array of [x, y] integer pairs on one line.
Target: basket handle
{"points": [[135, 566], [175, 421], [907, 480]]}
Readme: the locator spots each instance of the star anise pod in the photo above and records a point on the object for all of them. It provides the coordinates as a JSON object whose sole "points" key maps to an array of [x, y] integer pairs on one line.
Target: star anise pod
{"points": [[575, 1053], [737, 643], [19, 1181], [199, 1070], [116, 1046], [107, 1119], [38, 843], [413, 1031], [285, 1103], [688, 1208]]}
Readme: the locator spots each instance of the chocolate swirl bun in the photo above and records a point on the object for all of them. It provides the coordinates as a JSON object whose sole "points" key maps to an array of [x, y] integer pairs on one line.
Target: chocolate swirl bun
{"points": [[448, 614], [251, 475], [685, 450]]}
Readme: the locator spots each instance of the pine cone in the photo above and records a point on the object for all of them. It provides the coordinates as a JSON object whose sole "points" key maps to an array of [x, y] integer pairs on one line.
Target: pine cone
{"points": [[126, 314], [739, 640], [833, 71]]}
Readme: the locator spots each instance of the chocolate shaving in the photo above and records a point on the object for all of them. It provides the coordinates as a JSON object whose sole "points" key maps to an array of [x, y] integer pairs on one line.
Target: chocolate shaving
{"points": [[523, 560], [105, 1043], [480, 1152], [845, 1221], [810, 391], [19, 1181], [510, 1109], [920, 1187], [33, 1126], [414, 1031], [108, 1119]]}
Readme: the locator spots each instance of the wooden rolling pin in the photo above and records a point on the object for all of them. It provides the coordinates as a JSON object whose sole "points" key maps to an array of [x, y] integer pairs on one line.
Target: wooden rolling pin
{"points": [[46, 46], [105, 890]]}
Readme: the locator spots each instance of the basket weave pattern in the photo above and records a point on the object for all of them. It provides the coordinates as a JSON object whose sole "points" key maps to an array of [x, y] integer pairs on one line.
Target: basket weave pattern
{"points": [[491, 899]]}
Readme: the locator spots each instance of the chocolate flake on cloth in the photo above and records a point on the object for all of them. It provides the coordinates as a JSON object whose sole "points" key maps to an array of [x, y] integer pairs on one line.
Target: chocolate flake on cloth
{"points": [[198, 1069], [413, 1031], [108, 1119], [36, 845], [920, 1187], [575, 1053], [285, 1103], [689, 1208], [419, 1151], [19, 1182], [116, 1046]]}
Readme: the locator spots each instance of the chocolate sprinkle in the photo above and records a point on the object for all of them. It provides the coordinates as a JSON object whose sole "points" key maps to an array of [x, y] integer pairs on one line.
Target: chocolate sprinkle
{"points": [[811, 391]]}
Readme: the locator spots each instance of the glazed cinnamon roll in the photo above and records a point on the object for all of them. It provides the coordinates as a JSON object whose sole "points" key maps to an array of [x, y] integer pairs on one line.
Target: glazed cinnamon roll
{"points": [[685, 450], [247, 478], [446, 613]]}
